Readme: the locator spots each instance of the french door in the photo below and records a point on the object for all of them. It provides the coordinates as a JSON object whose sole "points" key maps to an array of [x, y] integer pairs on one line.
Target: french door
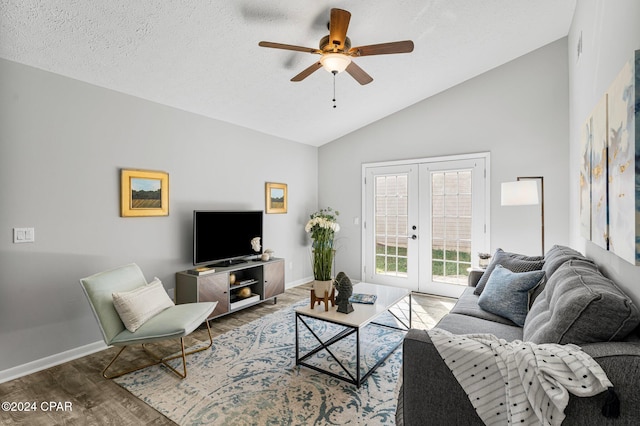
{"points": [[391, 226], [424, 221]]}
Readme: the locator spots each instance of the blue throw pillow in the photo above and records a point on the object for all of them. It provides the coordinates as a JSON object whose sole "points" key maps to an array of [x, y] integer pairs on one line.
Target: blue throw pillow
{"points": [[507, 293]]}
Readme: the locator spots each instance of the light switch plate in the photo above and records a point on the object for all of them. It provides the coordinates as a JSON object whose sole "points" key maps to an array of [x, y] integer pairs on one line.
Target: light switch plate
{"points": [[23, 235]]}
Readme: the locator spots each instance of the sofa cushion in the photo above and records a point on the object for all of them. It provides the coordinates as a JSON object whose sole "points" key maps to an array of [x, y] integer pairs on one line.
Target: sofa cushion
{"points": [[579, 305], [467, 304], [464, 324], [557, 255], [554, 258], [507, 293], [513, 262]]}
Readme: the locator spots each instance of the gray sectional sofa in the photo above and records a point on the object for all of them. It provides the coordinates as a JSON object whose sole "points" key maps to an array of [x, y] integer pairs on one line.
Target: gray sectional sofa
{"points": [[574, 303]]}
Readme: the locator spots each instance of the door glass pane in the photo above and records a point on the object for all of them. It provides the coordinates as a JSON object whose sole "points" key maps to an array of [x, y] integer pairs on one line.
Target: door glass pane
{"points": [[391, 224], [451, 226]]}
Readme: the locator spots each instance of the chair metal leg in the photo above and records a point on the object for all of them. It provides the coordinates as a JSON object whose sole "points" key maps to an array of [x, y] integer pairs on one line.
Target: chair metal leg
{"points": [[182, 354], [104, 372], [160, 360]]}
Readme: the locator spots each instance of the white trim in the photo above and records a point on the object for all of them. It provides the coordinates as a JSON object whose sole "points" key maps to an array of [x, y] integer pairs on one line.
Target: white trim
{"points": [[363, 221], [457, 157], [66, 356], [51, 361]]}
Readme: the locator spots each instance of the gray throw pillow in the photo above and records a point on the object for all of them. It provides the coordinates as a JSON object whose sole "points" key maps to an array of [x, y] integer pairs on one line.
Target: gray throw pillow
{"points": [[557, 255], [579, 305], [513, 262], [507, 293]]}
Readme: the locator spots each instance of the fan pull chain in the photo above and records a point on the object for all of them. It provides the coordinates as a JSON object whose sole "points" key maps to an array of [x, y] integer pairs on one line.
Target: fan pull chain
{"points": [[334, 87]]}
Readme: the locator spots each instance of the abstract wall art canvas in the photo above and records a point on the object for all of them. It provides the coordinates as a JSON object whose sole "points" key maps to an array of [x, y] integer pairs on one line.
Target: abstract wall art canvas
{"points": [[623, 165], [610, 167], [599, 223], [585, 180]]}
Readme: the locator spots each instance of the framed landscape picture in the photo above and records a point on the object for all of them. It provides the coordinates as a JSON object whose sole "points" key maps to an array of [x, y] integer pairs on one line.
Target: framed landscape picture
{"points": [[144, 193], [276, 197]]}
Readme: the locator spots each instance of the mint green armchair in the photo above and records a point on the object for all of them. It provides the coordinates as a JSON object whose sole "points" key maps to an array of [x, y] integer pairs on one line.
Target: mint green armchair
{"points": [[174, 322]]}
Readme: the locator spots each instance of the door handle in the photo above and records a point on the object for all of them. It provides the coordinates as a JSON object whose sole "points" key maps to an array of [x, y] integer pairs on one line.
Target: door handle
{"points": [[413, 237]]}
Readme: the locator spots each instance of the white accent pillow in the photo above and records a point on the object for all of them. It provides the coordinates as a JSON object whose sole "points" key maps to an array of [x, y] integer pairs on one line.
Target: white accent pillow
{"points": [[137, 306]]}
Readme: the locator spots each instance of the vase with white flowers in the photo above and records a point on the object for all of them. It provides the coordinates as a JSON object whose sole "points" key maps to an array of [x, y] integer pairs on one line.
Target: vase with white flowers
{"points": [[322, 227]]}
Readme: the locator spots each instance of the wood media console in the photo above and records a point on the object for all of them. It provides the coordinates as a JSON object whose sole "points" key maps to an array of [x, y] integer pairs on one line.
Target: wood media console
{"points": [[228, 285]]}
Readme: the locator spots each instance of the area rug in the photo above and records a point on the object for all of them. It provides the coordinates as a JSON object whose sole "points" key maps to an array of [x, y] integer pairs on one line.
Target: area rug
{"points": [[249, 377]]}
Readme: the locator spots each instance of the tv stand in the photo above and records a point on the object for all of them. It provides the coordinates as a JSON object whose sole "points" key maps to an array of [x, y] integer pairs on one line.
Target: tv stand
{"points": [[234, 287]]}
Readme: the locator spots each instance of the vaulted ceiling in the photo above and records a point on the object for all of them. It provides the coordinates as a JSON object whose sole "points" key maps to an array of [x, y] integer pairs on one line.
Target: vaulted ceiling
{"points": [[203, 56]]}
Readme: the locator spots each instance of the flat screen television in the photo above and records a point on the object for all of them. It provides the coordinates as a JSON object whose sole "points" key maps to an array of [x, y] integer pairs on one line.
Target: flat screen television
{"points": [[223, 238]]}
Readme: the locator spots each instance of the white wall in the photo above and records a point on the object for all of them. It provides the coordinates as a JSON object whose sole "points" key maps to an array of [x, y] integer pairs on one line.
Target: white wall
{"points": [[518, 112], [610, 34], [62, 144]]}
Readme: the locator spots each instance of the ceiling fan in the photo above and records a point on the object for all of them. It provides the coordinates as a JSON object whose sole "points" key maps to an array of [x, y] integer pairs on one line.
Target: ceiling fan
{"points": [[336, 51]]}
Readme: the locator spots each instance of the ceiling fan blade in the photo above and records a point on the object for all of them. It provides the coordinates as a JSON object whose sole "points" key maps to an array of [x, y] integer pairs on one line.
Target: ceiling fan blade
{"points": [[405, 46], [288, 47], [338, 27], [307, 72], [358, 73]]}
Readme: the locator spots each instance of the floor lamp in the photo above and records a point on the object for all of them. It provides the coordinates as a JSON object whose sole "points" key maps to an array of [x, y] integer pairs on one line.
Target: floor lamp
{"points": [[524, 192]]}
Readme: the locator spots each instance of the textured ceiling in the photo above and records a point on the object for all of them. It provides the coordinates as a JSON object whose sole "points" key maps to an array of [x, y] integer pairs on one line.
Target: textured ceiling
{"points": [[203, 56]]}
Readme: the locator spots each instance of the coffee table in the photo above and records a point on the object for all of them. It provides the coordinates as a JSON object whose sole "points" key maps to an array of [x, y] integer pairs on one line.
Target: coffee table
{"points": [[351, 323]]}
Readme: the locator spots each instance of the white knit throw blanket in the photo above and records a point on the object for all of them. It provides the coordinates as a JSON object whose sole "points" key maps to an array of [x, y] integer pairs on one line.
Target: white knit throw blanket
{"points": [[518, 382]]}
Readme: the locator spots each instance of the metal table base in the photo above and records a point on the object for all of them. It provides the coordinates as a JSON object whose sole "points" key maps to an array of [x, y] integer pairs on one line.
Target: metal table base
{"points": [[356, 379]]}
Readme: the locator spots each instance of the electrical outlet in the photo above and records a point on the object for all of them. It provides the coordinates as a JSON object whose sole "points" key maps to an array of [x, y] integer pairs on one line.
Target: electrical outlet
{"points": [[172, 293]]}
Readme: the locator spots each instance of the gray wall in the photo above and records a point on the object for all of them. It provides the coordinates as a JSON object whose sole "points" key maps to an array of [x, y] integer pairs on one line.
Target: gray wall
{"points": [[518, 112], [62, 144], [610, 34]]}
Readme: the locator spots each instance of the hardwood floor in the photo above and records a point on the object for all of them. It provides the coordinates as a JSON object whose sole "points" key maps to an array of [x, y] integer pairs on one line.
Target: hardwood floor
{"points": [[96, 401]]}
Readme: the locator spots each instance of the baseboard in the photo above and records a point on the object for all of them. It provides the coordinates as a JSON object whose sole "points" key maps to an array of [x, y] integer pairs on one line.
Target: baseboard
{"points": [[70, 355], [50, 361], [298, 282]]}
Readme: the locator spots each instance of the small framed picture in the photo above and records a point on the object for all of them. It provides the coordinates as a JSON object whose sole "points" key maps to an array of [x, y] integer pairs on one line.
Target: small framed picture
{"points": [[276, 197], [144, 193]]}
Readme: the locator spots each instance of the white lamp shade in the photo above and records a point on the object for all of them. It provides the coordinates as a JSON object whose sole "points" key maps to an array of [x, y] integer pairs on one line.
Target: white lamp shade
{"points": [[337, 62], [520, 193]]}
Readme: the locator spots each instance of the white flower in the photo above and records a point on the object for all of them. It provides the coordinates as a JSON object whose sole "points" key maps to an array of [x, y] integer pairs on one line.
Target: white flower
{"points": [[323, 224]]}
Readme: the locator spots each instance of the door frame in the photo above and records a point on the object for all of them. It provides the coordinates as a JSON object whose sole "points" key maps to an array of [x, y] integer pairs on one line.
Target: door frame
{"points": [[487, 207]]}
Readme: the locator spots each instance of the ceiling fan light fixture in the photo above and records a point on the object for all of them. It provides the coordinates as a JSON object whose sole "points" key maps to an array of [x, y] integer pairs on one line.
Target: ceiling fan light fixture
{"points": [[336, 52], [335, 62]]}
